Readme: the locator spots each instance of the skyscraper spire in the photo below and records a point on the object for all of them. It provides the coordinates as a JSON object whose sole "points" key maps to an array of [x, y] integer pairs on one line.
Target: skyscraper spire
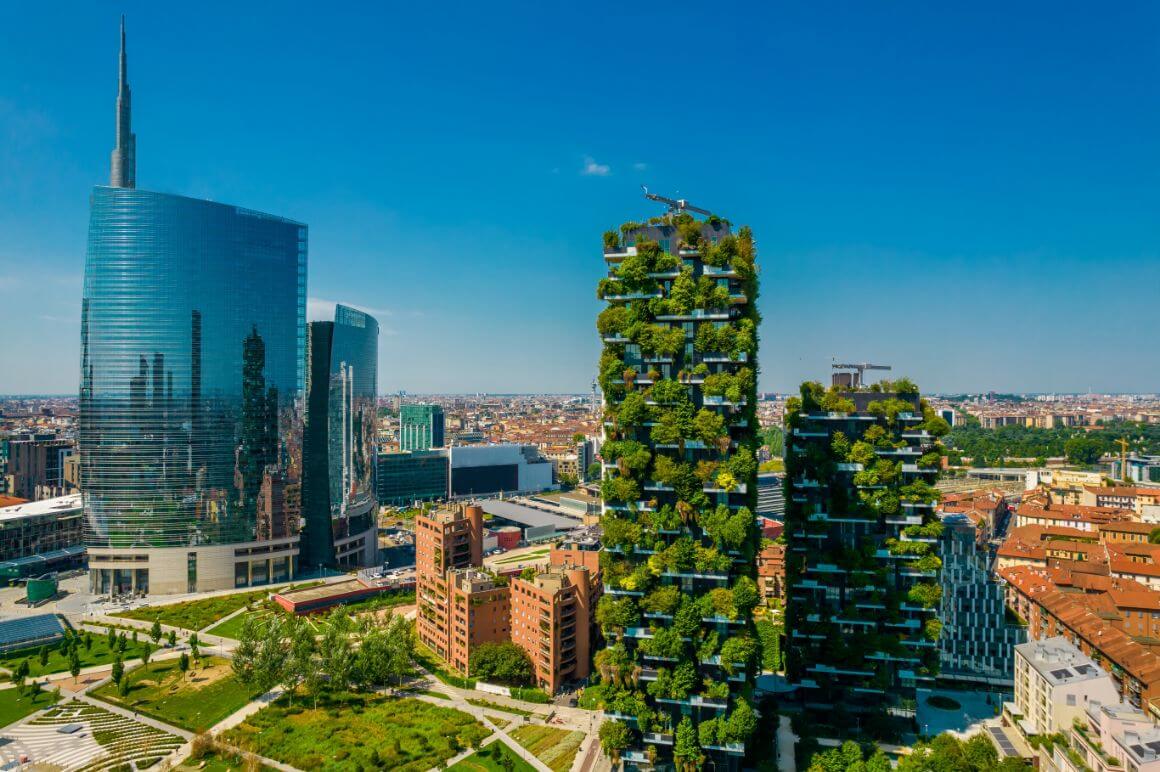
{"points": [[123, 173]]}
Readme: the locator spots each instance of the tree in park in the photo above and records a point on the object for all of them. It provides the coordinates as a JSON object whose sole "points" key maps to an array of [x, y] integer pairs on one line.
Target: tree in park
{"points": [[300, 662], [146, 653], [615, 737], [42, 655], [118, 670], [194, 643], [155, 631], [337, 658], [183, 664], [88, 641], [505, 663], [74, 663], [134, 636], [385, 652], [123, 688], [172, 638], [21, 672], [1083, 450], [112, 637]]}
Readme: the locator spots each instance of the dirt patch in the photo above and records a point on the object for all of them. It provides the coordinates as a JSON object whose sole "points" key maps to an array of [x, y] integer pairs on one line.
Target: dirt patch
{"points": [[83, 682]]}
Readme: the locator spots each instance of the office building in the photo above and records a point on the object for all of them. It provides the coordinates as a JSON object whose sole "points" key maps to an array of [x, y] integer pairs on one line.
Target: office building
{"points": [[36, 467], [420, 427], [339, 498], [1140, 469], [193, 341], [459, 606], [479, 470], [978, 635], [862, 565], [37, 537], [551, 619], [771, 495], [409, 476], [1055, 683], [678, 373]]}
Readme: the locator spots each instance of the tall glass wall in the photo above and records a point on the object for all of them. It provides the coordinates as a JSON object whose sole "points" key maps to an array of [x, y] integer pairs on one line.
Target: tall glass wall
{"points": [[340, 432], [192, 372]]}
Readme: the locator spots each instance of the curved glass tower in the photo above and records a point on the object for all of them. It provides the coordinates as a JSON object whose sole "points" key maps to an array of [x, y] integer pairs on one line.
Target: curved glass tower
{"points": [[192, 371], [339, 495]]}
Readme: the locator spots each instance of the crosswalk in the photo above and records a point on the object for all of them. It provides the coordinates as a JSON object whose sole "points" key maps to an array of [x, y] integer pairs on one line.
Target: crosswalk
{"points": [[104, 740]]}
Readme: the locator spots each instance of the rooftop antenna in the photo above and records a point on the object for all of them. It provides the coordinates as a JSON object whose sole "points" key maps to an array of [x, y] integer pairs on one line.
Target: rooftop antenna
{"points": [[856, 378], [676, 205]]}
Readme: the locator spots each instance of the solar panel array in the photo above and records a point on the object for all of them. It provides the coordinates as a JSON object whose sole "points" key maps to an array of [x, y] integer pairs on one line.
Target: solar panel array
{"points": [[1003, 741], [25, 632]]}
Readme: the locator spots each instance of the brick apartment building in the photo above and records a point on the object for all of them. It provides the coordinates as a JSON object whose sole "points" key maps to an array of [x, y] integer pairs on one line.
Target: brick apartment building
{"points": [[551, 619], [461, 606]]}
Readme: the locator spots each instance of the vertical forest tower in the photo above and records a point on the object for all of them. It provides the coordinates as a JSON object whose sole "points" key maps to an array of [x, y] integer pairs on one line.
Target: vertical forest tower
{"points": [[678, 371], [862, 573]]}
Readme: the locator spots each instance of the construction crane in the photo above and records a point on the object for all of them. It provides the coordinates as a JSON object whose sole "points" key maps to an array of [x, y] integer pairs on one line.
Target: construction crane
{"points": [[857, 378], [1123, 443], [675, 204]]}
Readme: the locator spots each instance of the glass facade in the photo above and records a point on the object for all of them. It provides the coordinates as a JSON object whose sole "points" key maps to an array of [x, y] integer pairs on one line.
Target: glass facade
{"points": [[192, 372], [340, 495], [421, 427], [979, 637], [411, 476]]}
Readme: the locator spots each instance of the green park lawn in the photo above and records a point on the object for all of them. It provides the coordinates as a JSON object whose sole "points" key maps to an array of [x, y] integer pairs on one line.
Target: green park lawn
{"points": [[194, 701], [485, 760], [347, 733], [98, 654], [14, 706], [555, 747], [195, 614]]}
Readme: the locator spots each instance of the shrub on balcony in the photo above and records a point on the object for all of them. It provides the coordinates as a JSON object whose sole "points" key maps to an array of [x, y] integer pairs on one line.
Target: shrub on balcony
{"points": [[612, 321], [709, 426], [889, 408], [631, 457], [834, 402], [687, 620], [933, 629], [669, 392], [615, 613], [662, 600], [862, 452], [926, 563], [742, 464], [611, 240], [930, 460], [620, 489], [726, 527], [607, 287], [632, 410], [708, 732], [745, 595], [920, 492], [621, 532], [666, 642], [657, 340], [931, 530], [686, 753], [925, 594], [738, 649], [707, 560]]}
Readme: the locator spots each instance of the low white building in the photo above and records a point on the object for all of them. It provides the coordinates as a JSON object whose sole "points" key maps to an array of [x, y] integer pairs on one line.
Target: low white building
{"points": [[1054, 684]]}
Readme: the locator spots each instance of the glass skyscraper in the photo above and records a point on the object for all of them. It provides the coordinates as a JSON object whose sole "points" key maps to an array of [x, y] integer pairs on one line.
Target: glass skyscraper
{"points": [[340, 498], [192, 367], [421, 427]]}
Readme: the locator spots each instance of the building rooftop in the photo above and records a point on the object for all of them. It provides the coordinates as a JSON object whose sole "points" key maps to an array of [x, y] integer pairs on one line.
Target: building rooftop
{"points": [[1059, 662], [58, 505], [528, 516]]}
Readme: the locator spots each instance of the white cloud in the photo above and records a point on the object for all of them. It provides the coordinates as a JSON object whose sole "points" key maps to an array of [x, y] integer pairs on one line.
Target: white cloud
{"points": [[322, 310], [640, 166], [593, 169]]}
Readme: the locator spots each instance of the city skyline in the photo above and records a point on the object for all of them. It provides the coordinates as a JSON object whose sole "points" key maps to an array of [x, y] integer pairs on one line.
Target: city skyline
{"points": [[1013, 207]]}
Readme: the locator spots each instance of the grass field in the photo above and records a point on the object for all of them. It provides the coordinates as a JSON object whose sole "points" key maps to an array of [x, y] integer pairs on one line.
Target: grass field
{"points": [[499, 721], [486, 760], [216, 761], [194, 701], [232, 627], [98, 654], [348, 733], [14, 707], [200, 614], [555, 747], [496, 706], [438, 668]]}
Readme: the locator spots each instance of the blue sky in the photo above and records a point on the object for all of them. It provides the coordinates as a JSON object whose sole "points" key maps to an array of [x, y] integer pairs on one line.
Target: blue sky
{"points": [[969, 194]]}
